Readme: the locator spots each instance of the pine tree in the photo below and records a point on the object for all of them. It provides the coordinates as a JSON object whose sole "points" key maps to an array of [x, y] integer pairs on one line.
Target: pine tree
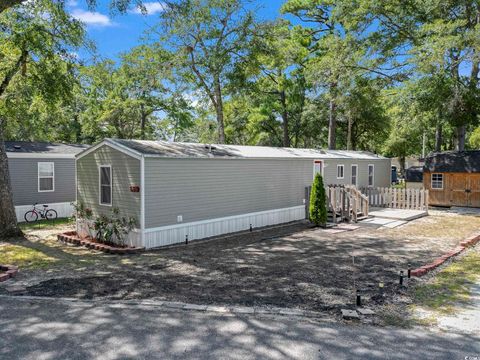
{"points": [[318, 203]]}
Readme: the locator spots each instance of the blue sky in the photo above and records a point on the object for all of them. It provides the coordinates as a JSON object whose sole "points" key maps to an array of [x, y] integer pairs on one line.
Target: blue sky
{"points": [[118, 33]]}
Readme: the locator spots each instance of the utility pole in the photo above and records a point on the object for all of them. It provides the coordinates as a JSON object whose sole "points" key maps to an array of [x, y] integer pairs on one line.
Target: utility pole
{"points": [[423, 145]]}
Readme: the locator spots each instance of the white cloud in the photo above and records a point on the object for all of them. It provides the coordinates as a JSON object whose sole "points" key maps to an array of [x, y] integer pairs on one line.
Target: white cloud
{"points": [[92, 17], [151, 8], [72, 3]]}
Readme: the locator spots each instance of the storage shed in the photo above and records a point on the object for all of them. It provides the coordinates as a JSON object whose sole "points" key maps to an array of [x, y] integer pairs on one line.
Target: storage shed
{"points": [[453, 178], [196, 190], [42, 173], [414, 177]]}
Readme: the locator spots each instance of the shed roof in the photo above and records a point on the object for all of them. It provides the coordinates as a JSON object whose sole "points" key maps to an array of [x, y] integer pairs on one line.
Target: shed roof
{"points": [[453, 161], [195, 150], [414, 174], [34, 147]]}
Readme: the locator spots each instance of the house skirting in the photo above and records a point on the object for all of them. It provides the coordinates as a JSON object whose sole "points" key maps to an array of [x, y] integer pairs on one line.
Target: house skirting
{"points": [[173, 234], [63, 210]]}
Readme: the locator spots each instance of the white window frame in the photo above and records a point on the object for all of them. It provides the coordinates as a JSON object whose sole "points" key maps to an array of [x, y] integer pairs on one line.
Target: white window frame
{"points": [[431, 181], [356, 174], [341, 166], [45, 177], [373, 175], [100, 185]]}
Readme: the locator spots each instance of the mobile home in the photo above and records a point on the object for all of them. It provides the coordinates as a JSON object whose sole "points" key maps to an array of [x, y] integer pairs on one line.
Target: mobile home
{"points": [[42, 173], [176, 190]]}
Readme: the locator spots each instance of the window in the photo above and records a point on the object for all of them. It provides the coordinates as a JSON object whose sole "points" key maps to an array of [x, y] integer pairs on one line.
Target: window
{"points": [[354, 174], [437, 181], [46, 176], [340, 169], [105, 185], [371, 174], [317, 167]]}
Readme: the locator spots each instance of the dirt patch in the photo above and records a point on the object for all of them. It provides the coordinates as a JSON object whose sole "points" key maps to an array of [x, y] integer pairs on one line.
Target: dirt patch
{"points": [[290, 266]]}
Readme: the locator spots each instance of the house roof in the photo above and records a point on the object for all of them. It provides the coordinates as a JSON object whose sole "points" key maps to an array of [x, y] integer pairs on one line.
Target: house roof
{"points": [[194, 150], [34, 148], [414, 174], [453, 161]]}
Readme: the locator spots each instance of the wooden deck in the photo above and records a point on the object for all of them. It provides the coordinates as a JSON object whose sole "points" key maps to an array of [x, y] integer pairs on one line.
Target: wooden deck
{"points": [[397, 214]]}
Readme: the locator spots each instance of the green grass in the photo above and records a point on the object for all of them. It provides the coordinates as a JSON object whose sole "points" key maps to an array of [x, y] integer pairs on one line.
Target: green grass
{"points": [[24, 257], [45, 224], [450, 286]]}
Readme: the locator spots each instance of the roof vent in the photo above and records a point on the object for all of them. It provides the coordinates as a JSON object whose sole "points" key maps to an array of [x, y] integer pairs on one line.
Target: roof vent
{"points": [[210, 148], [17, 147]]}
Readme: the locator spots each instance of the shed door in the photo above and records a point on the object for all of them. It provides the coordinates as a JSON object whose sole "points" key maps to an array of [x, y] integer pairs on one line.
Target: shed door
{"points": [[474, 190], [458, 186]]}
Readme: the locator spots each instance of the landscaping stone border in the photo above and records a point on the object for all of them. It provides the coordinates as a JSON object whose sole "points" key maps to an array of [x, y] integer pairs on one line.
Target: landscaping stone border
{"points": [[72, 238], [10, 271], [470, 241]]}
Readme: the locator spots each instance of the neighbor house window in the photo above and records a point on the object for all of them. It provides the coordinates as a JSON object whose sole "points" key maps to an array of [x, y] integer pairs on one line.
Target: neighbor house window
{"points": [[437, 181], [354, 174], [46, 176], [340, 169], [105, 185], [371, 174]]}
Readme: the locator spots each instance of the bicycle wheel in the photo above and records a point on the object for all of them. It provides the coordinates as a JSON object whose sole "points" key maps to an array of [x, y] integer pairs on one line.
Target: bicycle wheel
{"points": [[31, 216], [51, 214]]}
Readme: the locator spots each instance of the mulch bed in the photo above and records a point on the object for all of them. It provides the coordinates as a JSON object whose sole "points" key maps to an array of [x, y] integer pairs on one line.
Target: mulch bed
{"points": [[7, 271], [71, 237]]}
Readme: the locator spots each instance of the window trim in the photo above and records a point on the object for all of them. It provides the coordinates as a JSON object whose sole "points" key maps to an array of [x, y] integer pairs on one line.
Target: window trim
{"points": [[45, 177], [356, 174], [342, 166], [100, 185], [373, 175], [431, 181]]}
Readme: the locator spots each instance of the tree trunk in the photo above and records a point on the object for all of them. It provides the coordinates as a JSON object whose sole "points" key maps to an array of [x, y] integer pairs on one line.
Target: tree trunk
{"points": [[332, 126], [8, 219], [349, 133], [219, 110], [286, 135], [143, 121], [401, 161], [438, 137], [460, 143]]}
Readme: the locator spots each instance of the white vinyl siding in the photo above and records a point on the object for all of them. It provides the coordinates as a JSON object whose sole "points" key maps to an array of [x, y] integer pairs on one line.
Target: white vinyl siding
{"points": [[437, 181], [46, 177], [371, 174], [105, 184], [340, 171], [354, 175]]}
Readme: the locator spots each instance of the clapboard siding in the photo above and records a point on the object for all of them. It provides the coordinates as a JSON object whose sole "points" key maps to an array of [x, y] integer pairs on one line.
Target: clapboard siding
{"points": [[125, 172], [24, 179], [382, 172], [202, 189]]}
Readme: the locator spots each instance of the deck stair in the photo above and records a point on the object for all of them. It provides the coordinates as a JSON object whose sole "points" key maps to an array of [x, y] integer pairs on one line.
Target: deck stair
{"points": [[346, 203]]}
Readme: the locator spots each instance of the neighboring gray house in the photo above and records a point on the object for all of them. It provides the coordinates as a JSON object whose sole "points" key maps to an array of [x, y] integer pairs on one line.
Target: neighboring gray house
{"points": [[42, 173], [179, 189]]}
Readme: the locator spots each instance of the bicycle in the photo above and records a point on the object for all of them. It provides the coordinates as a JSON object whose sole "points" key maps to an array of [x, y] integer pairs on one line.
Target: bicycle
{"points": [[45, 213]]}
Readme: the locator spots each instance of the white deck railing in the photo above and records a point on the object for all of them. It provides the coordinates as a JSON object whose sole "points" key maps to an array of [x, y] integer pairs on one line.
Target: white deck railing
{"points": [[413, 199]]}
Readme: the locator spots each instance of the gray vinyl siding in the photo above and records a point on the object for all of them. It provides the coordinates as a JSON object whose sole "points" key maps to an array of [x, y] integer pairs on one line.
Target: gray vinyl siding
{"points": [[382, 172], [125, 172], [201, 189], [24, 179]]}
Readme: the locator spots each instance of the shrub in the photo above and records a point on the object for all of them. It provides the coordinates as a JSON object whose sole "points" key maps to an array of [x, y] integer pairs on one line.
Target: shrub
{"points": [[318, 202], [113, 229]]}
